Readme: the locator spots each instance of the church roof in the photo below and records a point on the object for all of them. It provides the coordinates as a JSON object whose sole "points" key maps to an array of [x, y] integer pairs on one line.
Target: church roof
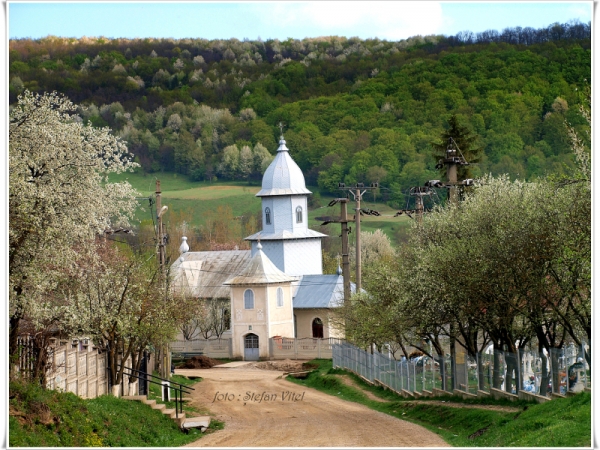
{"points": [[320, 291], [285, 234], [202, 274], [260, 270], [283, 176]]}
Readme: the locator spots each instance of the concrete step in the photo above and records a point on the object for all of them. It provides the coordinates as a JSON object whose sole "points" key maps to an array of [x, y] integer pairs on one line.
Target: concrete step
{"points": [[169, 412], [174, 414], [134, 397], [180, 419], [407, 394], [201, 422]]}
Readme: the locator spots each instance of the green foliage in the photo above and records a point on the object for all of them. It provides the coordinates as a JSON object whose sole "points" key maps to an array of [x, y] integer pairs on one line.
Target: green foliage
{"points": [[557, 423], [336, 96], [47, 418], [464, 142]]}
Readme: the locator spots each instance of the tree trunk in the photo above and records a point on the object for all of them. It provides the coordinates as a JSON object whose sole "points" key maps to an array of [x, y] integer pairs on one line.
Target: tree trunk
{"points": [[14, 322], [554, 366], [510, 371], [496, 375], [452, 359], [480, 371], [40, 352]]}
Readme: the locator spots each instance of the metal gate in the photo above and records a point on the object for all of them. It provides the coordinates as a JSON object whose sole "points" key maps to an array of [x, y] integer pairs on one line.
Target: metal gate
{"points": [[251, 347]]}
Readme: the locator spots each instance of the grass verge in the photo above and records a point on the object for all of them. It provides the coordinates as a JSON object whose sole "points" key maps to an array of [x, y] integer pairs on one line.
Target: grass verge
{"points": [[47, 418], [558, 423], [156, 394]]}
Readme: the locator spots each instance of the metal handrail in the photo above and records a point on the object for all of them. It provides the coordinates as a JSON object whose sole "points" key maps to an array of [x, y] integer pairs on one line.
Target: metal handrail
{"points": [[162, 379], [182, 387]]}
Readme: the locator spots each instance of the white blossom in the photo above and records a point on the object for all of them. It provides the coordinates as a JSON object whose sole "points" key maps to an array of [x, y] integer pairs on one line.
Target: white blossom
{"points": [[118, 68], [59, 195]]}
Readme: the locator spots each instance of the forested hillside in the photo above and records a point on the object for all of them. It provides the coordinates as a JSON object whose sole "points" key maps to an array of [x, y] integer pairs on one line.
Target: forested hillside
{"points": [[353, 110]]}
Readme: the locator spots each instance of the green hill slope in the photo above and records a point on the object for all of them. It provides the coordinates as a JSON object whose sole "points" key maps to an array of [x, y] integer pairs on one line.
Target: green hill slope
{"points": [[353, 110]]}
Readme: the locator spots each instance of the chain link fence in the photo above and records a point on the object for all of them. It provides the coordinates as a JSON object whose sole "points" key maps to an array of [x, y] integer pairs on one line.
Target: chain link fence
{"points": [[561, 371]]}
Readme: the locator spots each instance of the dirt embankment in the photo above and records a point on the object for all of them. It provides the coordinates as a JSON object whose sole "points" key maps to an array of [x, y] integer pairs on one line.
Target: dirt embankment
{"points": [[199, 362]]}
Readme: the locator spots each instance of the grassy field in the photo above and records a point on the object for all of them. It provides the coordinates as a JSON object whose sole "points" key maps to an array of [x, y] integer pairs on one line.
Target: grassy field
{"points": [[47, 418], [193, 198], [199, 198], [395, 227], [558, 423]]}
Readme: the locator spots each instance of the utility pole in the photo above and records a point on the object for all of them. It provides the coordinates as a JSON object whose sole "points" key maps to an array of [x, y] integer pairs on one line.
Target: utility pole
{"points": [[453, 159], [159, 231], [160, 210], [357, 196], [343, 220], [357, 192], [418, 193], [345, 249]]}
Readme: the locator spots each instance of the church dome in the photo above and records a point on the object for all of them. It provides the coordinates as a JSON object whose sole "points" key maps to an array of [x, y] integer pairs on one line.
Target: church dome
{"points": [[283, 176]]}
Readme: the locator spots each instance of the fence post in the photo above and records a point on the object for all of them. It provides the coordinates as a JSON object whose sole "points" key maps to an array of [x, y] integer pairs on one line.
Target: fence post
{"points": [[477, 370], [519, 382], [414, 377], [401, 376], [585, 384]]}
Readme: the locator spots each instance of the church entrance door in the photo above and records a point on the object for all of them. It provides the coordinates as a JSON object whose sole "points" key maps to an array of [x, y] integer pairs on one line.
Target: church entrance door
{"points": [[251, 347]]}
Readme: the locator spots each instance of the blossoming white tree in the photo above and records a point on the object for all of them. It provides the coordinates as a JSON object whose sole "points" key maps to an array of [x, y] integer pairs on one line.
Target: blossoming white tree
{"points": [[59, 199], [124, 303]]}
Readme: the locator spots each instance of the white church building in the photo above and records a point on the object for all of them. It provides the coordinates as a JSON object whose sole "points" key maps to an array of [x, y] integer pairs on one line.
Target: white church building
{"points": [[276, 289]]}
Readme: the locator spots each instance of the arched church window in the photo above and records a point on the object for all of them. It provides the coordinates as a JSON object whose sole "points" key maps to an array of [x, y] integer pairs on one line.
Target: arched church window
{"points": [[279, 297], [299, 214], [268, 216], [248, 299], [317, 328]]}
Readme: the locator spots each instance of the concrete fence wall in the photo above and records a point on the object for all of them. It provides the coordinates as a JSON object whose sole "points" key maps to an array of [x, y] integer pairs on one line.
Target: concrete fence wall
{"points": [[213, 348], [279, 348], [307, 348], [81, 371]]}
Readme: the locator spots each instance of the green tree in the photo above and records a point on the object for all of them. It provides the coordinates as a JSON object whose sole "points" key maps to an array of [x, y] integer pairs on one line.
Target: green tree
{"points": [[465, 140]]}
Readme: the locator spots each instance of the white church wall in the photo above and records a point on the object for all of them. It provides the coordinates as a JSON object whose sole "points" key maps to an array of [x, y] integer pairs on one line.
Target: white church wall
{"points": [[265, 320], [301, 202], [273, 250], [281, 318], [302, 257], [267, 202], [245, 321], [304, 320], [282, 206]]}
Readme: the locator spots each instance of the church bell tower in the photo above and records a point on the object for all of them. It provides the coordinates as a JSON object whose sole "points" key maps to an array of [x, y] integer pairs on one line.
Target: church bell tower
{"points": [[285, 237]]}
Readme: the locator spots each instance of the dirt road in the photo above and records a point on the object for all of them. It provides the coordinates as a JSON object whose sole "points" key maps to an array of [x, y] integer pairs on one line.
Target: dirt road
{"points": [[260, 409]]}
